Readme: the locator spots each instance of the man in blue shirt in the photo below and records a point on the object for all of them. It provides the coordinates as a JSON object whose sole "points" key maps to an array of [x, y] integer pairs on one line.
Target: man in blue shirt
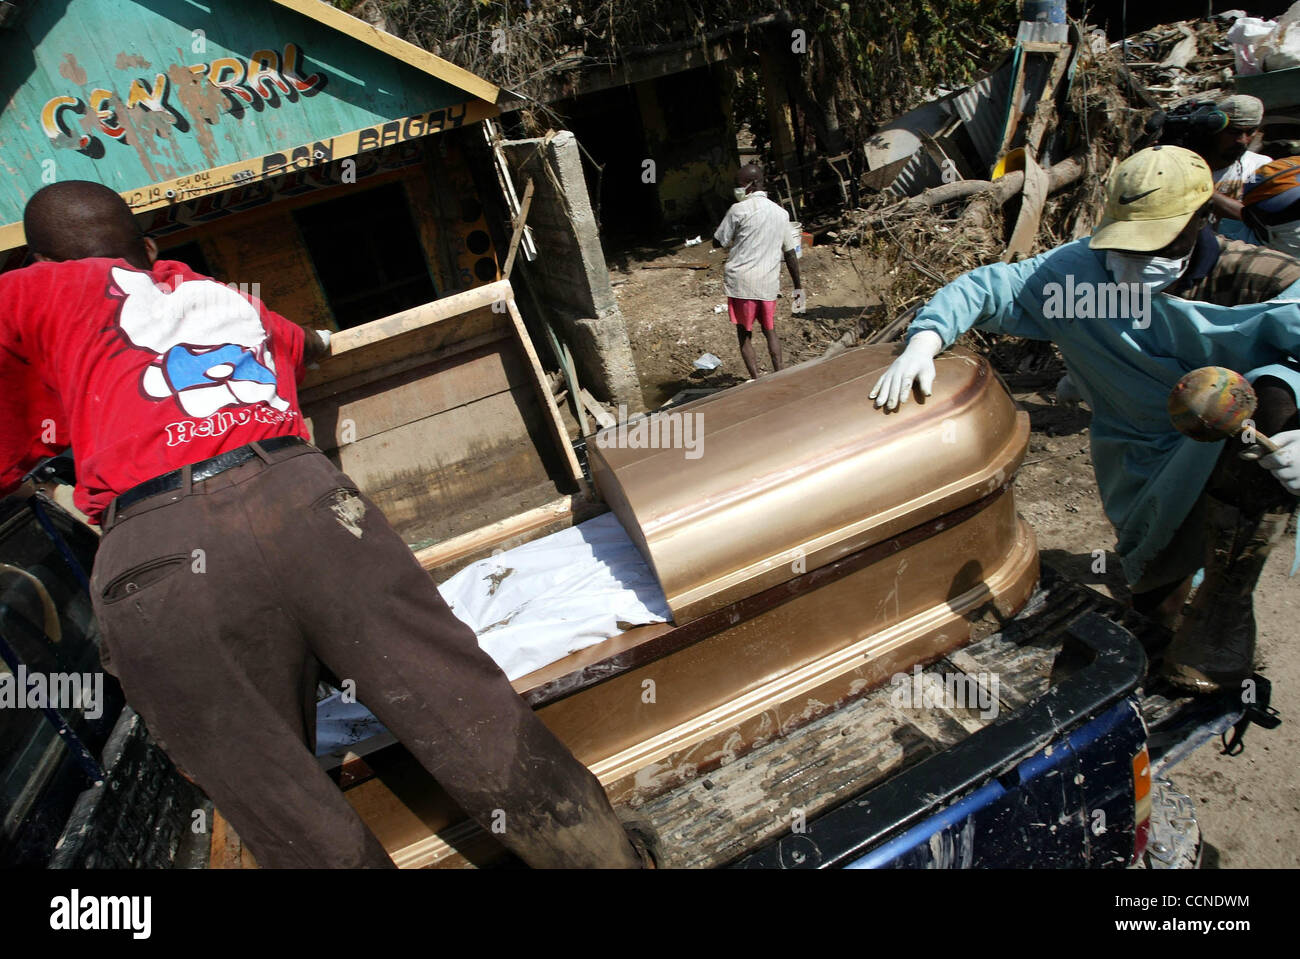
{"points": [[1152, 295]]}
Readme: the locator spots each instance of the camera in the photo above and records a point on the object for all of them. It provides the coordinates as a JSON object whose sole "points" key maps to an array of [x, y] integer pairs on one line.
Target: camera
{"points": [[1189, 125]]}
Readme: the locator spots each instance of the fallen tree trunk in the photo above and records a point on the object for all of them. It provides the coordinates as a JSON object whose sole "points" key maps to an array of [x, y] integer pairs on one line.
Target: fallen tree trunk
{"points": [[1001, 190]]}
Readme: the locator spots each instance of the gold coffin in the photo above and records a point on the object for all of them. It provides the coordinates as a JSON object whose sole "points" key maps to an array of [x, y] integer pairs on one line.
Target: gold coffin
{"points": [[809, 547], [797, 470]]}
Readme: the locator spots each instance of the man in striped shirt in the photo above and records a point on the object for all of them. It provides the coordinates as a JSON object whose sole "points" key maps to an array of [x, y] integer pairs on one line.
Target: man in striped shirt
{"points": [[759, 235]]}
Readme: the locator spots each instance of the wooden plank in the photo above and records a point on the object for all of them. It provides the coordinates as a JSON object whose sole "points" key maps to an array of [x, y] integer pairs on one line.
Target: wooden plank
{"points": [[1013, 108], [520, 222], [444, 418], [446, 446], [486, 537], [1043, 46], [603, 419], [560, 434], [423, 341], [384, 405], [720, 816], [1032, 198], [483, 298], [447, 475], [571, 375], [1046, 101], [436, 311], [227, 850], [562, 358], [397, 367]]}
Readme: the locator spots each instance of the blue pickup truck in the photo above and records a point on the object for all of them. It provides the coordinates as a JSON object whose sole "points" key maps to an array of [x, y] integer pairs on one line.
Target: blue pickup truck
{"points": [[1071, 773]]}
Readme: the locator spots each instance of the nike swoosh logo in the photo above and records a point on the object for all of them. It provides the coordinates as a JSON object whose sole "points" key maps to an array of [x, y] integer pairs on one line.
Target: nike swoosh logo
{"points": [[1127, 198]]}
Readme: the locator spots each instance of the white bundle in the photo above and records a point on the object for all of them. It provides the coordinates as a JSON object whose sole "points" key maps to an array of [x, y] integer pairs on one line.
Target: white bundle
{"points": [[1280, 50], [1245, 36]]}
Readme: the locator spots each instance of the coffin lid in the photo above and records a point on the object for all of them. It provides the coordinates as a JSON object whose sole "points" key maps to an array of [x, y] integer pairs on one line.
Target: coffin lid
{"points": [[782, 475]]}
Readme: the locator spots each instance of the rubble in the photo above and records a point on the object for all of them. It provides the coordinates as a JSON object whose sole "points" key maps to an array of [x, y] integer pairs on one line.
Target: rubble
{"points": [[1181, 61], [935, 234]]}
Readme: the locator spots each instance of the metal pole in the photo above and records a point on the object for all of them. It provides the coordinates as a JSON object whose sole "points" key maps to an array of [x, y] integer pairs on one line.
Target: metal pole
{"points": [[43, 518], [83, 756]]}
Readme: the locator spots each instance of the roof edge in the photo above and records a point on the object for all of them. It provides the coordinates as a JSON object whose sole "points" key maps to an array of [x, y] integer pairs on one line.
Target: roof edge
{"points": [[394, 47]]}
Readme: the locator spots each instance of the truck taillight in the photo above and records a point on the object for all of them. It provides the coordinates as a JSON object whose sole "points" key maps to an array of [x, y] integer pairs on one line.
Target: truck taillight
{"points": [[1141, 801]]}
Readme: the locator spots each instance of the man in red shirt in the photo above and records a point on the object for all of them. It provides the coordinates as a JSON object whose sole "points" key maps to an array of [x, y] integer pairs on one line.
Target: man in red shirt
{"points": [[236, 558]]}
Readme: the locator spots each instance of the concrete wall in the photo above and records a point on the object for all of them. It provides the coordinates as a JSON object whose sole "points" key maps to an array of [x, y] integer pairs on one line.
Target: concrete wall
{"points": [[569, 274]]}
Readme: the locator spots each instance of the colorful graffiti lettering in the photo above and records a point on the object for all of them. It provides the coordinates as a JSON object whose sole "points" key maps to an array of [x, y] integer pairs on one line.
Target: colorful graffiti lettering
{"points": [[371, 138], [53, 125], [264, 79]]}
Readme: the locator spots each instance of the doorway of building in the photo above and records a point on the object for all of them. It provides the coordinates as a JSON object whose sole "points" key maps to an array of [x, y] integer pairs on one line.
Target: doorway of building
{"points": [[367, 254]]}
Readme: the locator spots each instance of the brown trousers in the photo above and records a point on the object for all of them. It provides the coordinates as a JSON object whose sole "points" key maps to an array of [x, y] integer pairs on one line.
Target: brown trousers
{"points": [[218, 603]]}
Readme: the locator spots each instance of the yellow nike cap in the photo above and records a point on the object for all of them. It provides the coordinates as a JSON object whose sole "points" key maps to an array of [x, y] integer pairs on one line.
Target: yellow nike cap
{"points": [[1150, 199]]}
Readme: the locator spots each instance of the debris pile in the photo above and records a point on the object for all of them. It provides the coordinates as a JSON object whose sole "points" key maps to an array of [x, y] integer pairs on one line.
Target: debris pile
{"points": [[1096, 117], [1182, 60]]}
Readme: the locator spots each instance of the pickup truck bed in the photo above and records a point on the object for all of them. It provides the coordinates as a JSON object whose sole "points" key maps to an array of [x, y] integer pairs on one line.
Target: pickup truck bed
{"points": [[874, 771]]}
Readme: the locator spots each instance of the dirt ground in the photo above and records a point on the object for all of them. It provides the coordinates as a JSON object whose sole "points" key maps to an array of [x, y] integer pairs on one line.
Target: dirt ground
{"points": [[1248, 805], [675, 314]]}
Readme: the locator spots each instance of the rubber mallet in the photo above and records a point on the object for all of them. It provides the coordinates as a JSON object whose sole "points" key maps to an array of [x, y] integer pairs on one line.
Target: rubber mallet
{"points": [[1212, 404]]}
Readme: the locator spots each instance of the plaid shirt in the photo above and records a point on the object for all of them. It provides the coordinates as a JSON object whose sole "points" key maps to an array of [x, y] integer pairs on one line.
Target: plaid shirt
{"points": [[1229, 273], [759, 234]]}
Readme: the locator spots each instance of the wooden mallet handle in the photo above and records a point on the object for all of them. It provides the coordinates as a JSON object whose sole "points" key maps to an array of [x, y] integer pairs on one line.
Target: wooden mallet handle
{"points": [[1267, 443]]}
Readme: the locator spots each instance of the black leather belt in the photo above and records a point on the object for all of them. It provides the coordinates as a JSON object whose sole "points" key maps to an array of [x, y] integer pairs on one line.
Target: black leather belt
{"points": [[204, 469]]}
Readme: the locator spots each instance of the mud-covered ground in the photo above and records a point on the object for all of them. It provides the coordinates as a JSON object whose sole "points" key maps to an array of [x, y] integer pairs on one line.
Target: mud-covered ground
{"points": [[675, 314], [1248, 805]]}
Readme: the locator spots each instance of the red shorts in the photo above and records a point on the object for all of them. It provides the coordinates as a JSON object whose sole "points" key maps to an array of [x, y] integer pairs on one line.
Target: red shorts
{"points": [[744, 312]]}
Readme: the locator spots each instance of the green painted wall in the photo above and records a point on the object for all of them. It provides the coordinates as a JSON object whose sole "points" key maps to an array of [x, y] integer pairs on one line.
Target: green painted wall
{"points": [[137, 92]]}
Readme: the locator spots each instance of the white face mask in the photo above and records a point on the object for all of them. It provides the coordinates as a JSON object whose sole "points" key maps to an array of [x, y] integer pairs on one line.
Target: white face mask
{"points": [[741, 193], [1284, 237], [1153, 272]]}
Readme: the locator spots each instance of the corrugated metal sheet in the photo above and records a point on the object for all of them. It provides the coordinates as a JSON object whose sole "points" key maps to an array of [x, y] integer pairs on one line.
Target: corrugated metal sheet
{"points": [[983, 106], [980, 109]]}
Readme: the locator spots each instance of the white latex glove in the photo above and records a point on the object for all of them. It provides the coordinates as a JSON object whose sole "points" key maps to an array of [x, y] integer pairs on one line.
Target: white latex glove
{"points": [[1285, 463], [915, 365]]}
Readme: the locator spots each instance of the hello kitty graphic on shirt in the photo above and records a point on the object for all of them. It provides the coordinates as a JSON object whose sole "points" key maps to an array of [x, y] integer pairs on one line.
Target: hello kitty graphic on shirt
{"points": [[211, 347]]}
